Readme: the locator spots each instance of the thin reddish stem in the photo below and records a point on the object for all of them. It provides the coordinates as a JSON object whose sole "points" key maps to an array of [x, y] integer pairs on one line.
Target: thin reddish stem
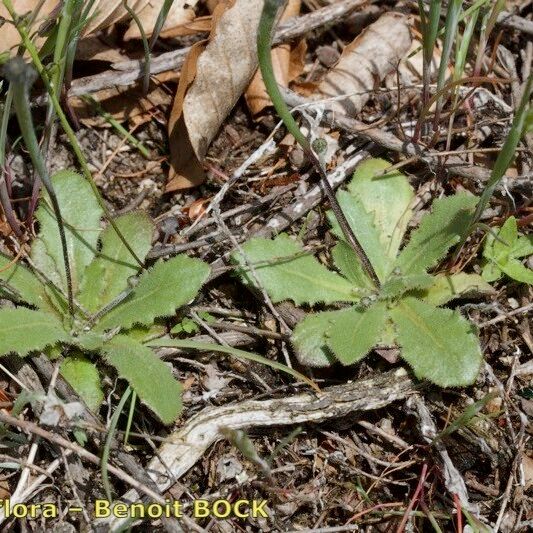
{"points": [[459, 513], [414, 499]]}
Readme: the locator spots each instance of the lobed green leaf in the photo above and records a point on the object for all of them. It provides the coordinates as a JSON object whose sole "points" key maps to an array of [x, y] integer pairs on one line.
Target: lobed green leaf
{"points": [[437, 233], [387, 337], [159, 292], [502, 254], [83, 377], [367, 233], [287, 273], [517, 271], [439, 344], [309, 339], [396, 286], [523, 247], [356, 331], [89, 341], [386, 197], [447, 287], [24, 330], [491, 272], [148, 376], [349, 265], [25, 283], [107, 275], [500, 249], [81, 215]]}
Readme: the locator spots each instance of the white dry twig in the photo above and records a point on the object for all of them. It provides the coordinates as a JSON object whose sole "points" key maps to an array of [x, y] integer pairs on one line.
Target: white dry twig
{"points": [[189, 443]]}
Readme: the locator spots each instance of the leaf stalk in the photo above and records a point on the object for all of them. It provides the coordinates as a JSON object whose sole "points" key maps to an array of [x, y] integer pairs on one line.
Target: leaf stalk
{"points": [[21, 77], [264, 45]]}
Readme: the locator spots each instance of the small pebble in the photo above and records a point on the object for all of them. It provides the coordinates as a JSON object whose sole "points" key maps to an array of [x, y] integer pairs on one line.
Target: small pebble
{"points": [[327, 55], [297, 157]]}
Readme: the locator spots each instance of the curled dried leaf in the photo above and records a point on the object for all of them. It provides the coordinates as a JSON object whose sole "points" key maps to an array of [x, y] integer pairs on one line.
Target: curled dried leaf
{"points": [[374, 54], [197, 208], [103, 14], [180, 14], [10, 35], [213, 78], [109, 12]]}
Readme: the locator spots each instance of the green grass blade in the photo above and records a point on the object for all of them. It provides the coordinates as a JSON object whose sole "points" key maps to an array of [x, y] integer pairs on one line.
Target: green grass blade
{"points": [[430, 27], [52, 94], [464, 46], [506, 155], [159, 23], [146, 46], [466, 416], [108, 440], [450, 33], [112, 121]]}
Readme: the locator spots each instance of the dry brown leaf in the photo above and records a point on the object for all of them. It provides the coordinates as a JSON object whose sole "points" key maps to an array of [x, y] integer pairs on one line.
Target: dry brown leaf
{"points": [[198, 25], [5, 491], [285, 65], [125, 104], [213, 78], [108, 12], [10, 35], [4, 397], [197, 208], [5, 230], [180, 13], [105, 13], [366, 61], [211, 4], [93, 48]]}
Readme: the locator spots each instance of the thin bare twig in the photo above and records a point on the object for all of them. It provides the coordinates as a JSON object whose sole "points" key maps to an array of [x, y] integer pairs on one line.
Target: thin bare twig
{"points": [[128, 72], [454, 164], [189, 443]]}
